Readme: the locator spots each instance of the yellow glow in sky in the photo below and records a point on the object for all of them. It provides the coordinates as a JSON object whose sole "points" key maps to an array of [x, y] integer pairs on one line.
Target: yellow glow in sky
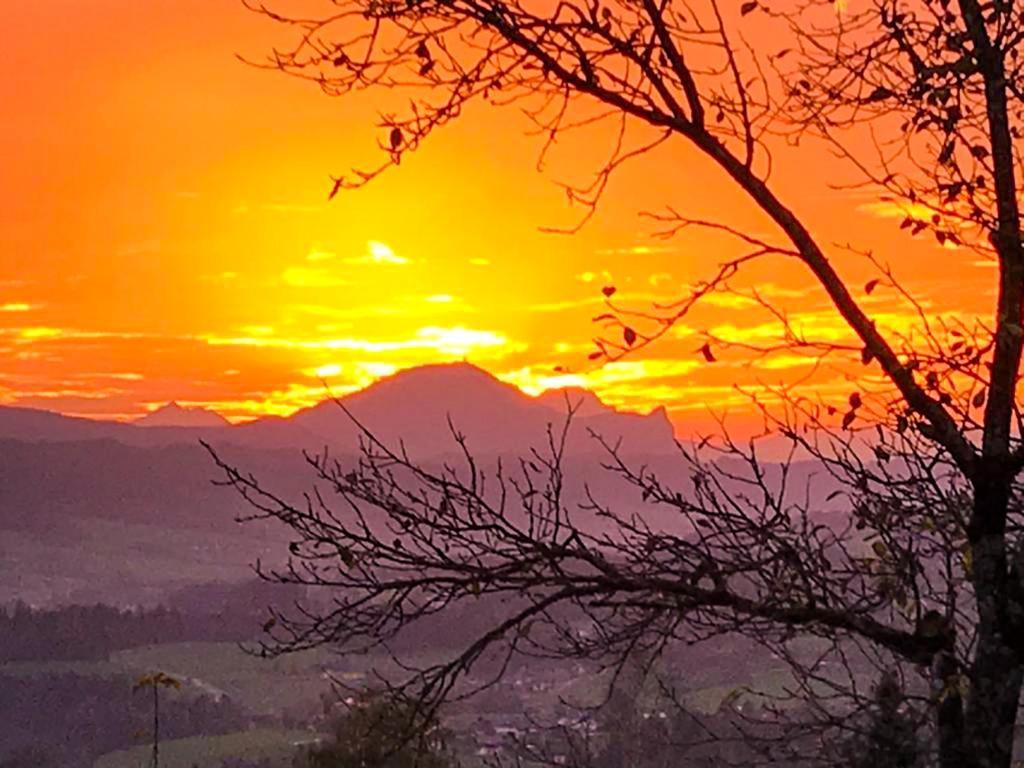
{"points": [[177, 243]]}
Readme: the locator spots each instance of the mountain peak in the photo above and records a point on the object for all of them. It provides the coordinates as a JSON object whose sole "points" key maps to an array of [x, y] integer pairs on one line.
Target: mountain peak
{"points": [[453, 386], [415, 409], [175, 415], [583, 400], [419, 407], [458, 371]]}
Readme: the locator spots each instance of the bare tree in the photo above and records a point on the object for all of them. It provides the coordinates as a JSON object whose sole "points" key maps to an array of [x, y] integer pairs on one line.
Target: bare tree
{"points": [[923, 565], [156, 681]]}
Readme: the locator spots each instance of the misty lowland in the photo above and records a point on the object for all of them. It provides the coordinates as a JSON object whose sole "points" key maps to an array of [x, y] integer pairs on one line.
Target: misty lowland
{"points": [[107, 580], [512, 384]]}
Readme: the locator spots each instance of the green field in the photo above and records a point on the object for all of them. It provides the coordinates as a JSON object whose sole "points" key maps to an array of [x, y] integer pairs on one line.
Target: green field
{"points": [[771, 684], [210, 751], [262, 686]]}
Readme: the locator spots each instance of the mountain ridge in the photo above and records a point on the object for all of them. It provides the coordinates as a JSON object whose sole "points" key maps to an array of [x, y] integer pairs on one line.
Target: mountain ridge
{"points": [[174, 415], [417, 407]]}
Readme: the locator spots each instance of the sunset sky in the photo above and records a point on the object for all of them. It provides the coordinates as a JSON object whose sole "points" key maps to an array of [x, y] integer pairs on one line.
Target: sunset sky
{"points": [[165, 234]]}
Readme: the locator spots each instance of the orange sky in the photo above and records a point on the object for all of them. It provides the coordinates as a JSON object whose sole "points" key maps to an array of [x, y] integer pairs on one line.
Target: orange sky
{"points": [[165, 234]]}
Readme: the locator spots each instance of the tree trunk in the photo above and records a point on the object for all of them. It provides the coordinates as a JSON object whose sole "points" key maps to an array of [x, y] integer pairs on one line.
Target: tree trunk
{"points": [[996, 671], [991, 714], [950, 712], [156, 725]]}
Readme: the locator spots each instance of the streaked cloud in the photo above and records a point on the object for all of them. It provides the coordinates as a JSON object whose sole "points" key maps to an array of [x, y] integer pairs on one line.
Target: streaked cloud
{"points": [[377, 253], [360, 373], [659, 278], [589, 276], [345, 313], [456, 341], [619, 382], [902, 209], [596, 301], [324, 371], [781, 362], [729, 300], [39, 332], [437, 303], [636, 250], [309, 277], [381, 253], [44, 333]]}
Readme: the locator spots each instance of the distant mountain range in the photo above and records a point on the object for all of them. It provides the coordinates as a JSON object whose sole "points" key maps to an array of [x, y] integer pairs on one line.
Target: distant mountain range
{"points": [[124, 512], [174, 415], [417, 407]]}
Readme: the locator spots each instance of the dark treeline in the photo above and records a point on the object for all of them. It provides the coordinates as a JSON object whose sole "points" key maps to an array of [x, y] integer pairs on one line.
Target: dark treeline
{"points": [[74, 718], [90, 633], [93, 632], [83, 632], [57, 718]]}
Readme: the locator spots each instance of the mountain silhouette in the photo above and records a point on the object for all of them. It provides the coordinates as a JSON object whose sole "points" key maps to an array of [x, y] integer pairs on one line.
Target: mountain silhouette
{"points": [[417, 408], [174, 415], [420, 408], [36, 425], [77, 493], [585, 402]]}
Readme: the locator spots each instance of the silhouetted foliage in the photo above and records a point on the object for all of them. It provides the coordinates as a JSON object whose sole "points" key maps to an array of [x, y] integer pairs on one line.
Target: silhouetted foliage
{"points": [[915, 562], [888, 735], [374, 732]]}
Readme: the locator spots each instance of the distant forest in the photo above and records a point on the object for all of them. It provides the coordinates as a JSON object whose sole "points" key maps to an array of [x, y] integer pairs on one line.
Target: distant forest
{"points": [[92, 633], [78, 712]]}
